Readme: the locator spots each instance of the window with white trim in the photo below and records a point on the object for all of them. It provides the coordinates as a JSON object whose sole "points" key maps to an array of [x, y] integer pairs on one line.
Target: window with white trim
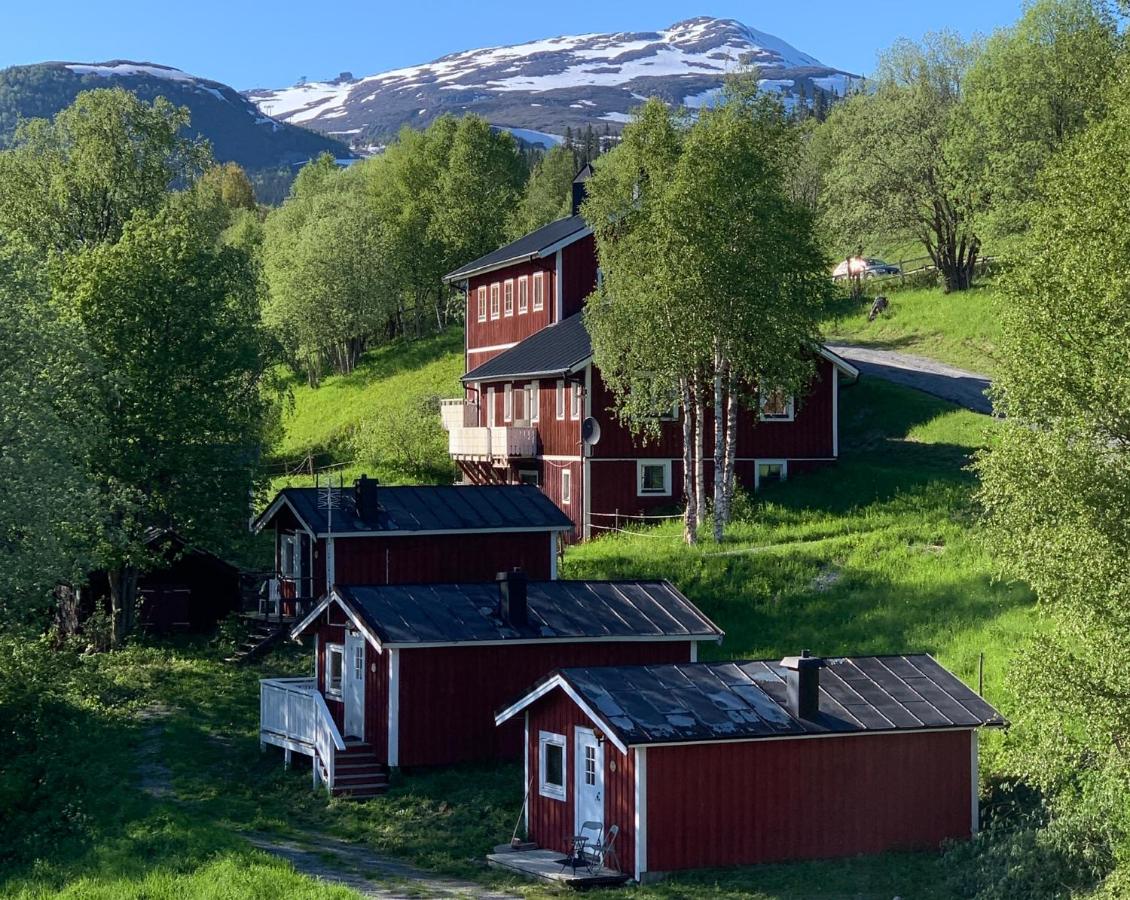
{"points": [[653, 477], [770, 470], [590, 764], [528, 476], [508, 403], [776, 406], [566, 487], [359, 660], [533, 400], [575, 402], [539, 291], [335, 666], [494, 300], [560, 399], [289, 556], [523, 295], [551, 765], [491, 414], [508, 297], [482, 301]]}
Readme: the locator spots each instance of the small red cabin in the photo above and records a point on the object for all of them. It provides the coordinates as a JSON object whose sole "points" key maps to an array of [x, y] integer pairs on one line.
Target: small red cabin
{"points": [[736, 763], [376, 534], [414, 673]]}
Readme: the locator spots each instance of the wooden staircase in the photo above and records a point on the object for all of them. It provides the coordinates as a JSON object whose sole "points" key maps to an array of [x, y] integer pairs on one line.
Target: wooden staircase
{"points": [[358, 773], [262, 637]]}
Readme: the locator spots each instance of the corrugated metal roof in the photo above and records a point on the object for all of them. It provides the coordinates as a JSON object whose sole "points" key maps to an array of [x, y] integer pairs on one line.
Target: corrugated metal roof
{"points": [[719, 701], [468, 613], [406, 509], [555, 350], [525, 248]]}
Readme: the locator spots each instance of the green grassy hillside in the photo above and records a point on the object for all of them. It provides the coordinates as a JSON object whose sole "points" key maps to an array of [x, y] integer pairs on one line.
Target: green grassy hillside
{"points": [[382, 418], [962, 329]]}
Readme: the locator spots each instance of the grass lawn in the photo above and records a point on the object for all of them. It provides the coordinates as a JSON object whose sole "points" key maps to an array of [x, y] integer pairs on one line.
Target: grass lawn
{"points": [[962, 329], [387, 387], [878, 554]]}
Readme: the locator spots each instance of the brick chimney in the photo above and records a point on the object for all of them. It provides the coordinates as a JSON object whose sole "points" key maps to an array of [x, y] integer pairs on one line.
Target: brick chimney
{"points": [[513, 608], [802, 680]]}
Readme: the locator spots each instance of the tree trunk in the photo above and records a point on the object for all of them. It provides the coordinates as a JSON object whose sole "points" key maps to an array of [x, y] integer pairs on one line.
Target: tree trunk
{"points": [[690, 519], [719, 447], [731, 444], [66, 611], [699, 460], [123, 602]]}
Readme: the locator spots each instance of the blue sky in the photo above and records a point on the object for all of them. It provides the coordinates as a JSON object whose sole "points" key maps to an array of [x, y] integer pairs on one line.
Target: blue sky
{"points": [[272, 44]]}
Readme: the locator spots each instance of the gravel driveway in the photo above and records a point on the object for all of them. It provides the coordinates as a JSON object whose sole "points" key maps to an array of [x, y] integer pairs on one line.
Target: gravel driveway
{"points": [[956, 385]]}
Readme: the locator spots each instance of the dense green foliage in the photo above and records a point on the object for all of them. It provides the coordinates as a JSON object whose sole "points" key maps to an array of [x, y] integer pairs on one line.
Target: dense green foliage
{"points": [[713, 279], [1057, 489], [548, 194]]}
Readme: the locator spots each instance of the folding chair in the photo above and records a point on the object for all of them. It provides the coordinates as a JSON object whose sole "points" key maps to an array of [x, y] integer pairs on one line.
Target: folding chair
{"points": [[579, 845], [604, 852]]}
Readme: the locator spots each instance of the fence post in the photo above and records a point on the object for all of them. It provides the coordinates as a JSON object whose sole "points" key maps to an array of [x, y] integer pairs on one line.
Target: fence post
{"points": [[617, 518]]}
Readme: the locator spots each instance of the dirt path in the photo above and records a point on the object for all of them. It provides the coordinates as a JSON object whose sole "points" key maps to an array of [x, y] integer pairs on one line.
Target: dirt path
{"points": [[959, 386], [351, 865], [154, 776]]}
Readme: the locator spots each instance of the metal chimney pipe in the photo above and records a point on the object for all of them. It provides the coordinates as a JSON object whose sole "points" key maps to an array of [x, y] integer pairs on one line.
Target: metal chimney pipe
{"points": [[802, 681]]}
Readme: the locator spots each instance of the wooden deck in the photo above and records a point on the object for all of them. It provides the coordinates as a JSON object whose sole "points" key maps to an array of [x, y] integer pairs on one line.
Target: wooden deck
{"points": [[546, 865]]}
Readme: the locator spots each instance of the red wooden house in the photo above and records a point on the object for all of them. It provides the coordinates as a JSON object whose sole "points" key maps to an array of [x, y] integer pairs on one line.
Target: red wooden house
{"points": [[376, 534], [410, 675], [530, 383], [736, 763]]}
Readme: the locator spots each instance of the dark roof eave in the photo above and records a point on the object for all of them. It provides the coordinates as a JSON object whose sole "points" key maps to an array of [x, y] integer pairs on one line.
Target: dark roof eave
{"points": [[464, 274], [544, 373]]}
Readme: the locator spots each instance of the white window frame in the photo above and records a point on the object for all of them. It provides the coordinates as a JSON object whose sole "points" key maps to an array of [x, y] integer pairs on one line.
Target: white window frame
{"points": [[642, 464], [546, 789], [533, 400], [508, 403], [538, 292], [575, 402], [508, 297], [788, 416], [481, 313], [494, 289], [560, 400], [758, 463], [527, 473], [566, 487], [331, 651], [523, 295], [293, 542], [358, 660], [490, 408]]}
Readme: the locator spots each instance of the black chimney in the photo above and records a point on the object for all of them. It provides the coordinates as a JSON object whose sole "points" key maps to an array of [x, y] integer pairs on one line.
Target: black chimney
{"points": [[365, 498], [580, 189], [512, 605], [803, 683]]}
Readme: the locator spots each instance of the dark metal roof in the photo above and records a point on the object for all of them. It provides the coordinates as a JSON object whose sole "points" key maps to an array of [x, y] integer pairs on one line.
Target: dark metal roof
{"points": [[719, 701], [468, 613], [523, 249], [556, 350], [428, 508]]}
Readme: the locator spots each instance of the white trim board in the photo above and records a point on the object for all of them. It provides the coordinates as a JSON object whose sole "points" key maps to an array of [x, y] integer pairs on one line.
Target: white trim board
{"points": [[407, 533], [640, 779], [393, 751], [558, 682], [323, 605], [270, 511], [492, 348]]}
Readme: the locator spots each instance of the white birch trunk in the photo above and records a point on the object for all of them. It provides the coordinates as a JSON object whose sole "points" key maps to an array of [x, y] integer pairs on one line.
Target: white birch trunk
{"points": [[731, 445], [690, 519], [720, 445], [699, 461]]}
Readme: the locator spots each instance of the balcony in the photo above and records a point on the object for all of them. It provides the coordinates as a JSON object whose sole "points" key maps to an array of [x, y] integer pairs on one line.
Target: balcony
{"points": [[470, 442]]}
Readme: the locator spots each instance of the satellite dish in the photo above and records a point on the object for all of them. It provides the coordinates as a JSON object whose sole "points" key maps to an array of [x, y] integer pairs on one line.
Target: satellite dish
{"points": [[590, 431]]}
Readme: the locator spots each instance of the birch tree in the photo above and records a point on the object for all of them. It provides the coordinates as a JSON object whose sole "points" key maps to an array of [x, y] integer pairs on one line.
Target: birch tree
{"points": [[713, 280]]}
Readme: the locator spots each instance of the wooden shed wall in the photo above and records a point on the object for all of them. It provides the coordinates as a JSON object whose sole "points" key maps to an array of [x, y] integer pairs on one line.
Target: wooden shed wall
{"points": [[449, 695], [764, 801], [578, 274]]}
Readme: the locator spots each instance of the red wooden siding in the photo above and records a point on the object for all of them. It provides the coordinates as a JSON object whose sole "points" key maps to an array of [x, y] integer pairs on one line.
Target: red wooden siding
{"points": [[430, 559], [549, 820], [332, 631], [449, 695], [764, 801], [504, 329], [578, 274]]}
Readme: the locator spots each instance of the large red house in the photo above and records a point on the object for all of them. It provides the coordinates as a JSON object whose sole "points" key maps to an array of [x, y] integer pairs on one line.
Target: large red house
{"points": [[736, 763], [530, 383], [379, 534], [411, 675]]}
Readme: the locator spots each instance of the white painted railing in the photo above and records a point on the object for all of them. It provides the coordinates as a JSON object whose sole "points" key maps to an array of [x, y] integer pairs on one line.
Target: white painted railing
{"points": [[499, 443], [458, 413], [294, 715]]}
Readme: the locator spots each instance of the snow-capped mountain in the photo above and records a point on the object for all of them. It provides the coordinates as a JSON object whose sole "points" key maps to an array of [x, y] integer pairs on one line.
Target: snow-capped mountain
{"points": [[541, 87], [237, 129]]}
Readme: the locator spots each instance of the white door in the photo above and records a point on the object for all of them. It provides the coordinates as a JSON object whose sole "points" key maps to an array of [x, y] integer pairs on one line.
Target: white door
{"points": [[589, 781], [353, 685]]}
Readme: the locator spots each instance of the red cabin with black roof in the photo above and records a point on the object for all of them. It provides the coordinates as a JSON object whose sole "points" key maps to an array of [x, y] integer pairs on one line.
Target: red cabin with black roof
{"points": [[529, 384], [735, 763]]}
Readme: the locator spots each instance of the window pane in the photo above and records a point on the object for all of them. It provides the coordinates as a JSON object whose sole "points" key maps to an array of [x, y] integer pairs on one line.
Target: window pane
{"points": [[555, 765], [654, 478]]}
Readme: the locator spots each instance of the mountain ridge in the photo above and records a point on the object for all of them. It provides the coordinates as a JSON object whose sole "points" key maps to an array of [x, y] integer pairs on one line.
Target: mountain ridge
{"points": [[543, 86]]}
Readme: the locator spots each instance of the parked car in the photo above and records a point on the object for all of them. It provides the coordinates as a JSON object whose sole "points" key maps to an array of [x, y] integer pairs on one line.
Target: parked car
{"points": [[867, 266]]}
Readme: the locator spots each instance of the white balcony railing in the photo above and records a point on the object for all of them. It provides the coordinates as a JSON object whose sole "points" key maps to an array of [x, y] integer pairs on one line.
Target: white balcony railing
{"points": [[458, 413], [467, 440], [294, 715]]}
